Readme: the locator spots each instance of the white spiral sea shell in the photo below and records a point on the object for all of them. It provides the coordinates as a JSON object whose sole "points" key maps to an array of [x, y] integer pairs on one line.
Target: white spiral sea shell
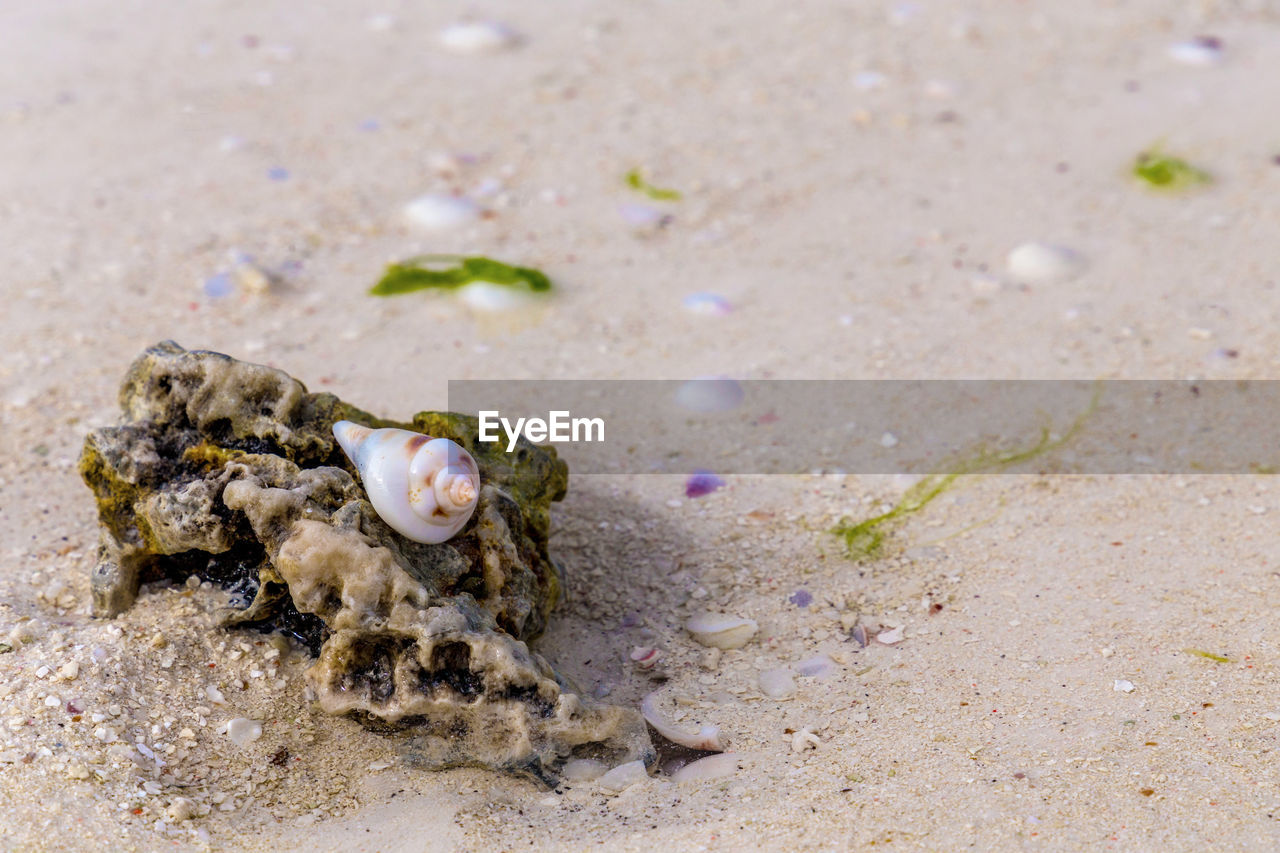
{"points": [[425, 488]]}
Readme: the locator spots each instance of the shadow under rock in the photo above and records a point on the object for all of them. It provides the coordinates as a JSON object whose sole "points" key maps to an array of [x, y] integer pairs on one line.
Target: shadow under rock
{"points": [[624, 585]]}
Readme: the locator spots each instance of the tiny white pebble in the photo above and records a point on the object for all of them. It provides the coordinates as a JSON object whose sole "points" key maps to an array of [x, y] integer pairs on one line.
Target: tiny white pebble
{"points": [[215, 695], [43, 672], [469, 37], [180, 809], [52, 701], [242, 731], [1122, 685], [888, 440], [1199, 333], [1043, 263], [438, 212], [69, 671], [624, 776], [1203, 52], [1106, 651], [777, 683]]}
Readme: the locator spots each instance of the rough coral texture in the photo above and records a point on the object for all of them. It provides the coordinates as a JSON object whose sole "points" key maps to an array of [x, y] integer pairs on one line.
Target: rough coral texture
{"points": [[230, 471]]}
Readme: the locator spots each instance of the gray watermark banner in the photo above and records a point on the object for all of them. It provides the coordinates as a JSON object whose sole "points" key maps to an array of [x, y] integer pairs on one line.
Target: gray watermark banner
{"points": [[886, 426]]}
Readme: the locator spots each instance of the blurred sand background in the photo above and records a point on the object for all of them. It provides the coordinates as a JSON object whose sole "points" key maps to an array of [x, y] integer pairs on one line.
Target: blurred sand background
{"points": [[853, 177]]}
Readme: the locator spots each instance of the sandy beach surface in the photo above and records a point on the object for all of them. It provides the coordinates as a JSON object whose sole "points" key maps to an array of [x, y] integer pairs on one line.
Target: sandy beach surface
{"points": [[233, 176]]}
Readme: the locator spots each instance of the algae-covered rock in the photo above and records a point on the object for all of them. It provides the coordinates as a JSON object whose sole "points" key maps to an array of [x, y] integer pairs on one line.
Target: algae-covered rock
{"points": [[230, 471]]}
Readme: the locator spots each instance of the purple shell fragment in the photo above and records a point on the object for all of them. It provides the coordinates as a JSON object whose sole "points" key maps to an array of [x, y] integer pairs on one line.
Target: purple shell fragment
{"points": [[701, 483]]}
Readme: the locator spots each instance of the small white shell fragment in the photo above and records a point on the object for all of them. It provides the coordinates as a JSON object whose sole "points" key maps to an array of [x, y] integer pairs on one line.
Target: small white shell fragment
{"points": [[777, 683], [215, 695], [890, 637], [888, 440], [1044, 263], [869, 80], [710, 394], [243, 731], [645, 656], [624, 776], [180, 809], [720, 631], [818, 666], [711, 767], [707, 738], [487, 297], [470, 37], [1122, 685], [1202, 51], [438, 212], [583, 769]]}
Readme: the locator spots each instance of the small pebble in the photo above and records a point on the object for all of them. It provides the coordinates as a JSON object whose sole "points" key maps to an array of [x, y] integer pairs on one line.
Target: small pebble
{"points": [[76, 770], [474, 37], [437, 212], [180, 809], [1123, 685], [721, 631], [818, 666], [710, 394], [888, 441], [777, 683], [583, 769], [644, 216], [711, 767], [707, 304], [1202, 51], [624, 776], [243, 731], [867, 81], [890, 637], [801, 598], [489, 298], [1042, 263], [218, 286]]}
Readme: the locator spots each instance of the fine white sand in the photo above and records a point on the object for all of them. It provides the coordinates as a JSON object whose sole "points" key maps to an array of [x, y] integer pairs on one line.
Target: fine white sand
{"points": [[858, 224]]}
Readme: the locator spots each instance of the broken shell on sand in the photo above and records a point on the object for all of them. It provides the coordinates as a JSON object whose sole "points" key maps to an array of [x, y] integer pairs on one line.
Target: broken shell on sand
{"points": [[720, 631], [707, 738]]}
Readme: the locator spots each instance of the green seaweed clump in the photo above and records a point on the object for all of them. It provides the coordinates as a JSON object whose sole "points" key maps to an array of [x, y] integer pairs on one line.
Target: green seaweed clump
{"points": [[1168, 172], [640, 185], [425, 272]]}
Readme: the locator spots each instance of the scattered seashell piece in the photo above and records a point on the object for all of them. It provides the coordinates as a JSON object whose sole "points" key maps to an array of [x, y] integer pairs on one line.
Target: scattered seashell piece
{"points": [[243, 731], [583, 769], [488, 297], [1123, 685], [1043, 263], [891, 636], [645, 656], [710, 394], [439, 212], [1202, 51], [777, 683], [711, 767], [721, 631], [706, 738], [707, 304], [624, 776], [818, 666], [473, 37]]}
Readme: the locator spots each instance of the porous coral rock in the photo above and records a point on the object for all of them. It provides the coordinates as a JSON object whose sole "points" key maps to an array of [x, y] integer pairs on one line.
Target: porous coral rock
{"points": [[229, 471]]}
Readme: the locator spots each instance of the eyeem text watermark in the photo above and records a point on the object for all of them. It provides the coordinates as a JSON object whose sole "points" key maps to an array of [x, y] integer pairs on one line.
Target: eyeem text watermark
{"points": [[559, 426]]}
